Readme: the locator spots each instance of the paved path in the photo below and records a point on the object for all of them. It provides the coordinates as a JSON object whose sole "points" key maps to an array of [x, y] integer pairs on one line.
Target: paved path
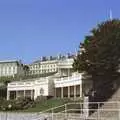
{"points": [[20, 116], [33, 116]]}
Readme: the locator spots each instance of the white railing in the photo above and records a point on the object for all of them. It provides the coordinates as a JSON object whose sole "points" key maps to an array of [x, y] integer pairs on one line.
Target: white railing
{"points": [[71, 111], [75, 111], [78, 77], [65, 63], [28, 83], [68, 81], [20, 84]]}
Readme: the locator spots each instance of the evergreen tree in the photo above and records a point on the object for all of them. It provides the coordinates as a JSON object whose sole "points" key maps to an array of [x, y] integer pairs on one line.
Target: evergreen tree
{"points": [[99, 55]]}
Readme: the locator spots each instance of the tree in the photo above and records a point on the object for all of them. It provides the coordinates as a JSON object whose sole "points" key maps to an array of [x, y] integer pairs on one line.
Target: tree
{"points": [[100, 54], [26, 70]]}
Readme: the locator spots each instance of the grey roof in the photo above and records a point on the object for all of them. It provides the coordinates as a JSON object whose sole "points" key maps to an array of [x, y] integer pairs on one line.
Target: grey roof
{"points": [[10, 61]]}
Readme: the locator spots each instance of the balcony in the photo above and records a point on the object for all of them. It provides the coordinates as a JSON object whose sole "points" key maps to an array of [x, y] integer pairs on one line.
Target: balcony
{"points": [[67, 63], [68, 81], [26, 85]]}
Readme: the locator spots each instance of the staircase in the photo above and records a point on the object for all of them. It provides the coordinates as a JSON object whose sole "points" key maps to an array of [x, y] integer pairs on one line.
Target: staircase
{"points": [[110, 110]]}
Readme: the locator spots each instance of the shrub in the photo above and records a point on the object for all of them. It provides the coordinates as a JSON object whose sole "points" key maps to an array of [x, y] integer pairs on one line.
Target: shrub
{"points": [[20, 104]]}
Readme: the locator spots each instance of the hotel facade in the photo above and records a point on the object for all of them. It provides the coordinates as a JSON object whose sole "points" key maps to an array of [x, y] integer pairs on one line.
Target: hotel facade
{"points": [[11, 68], [64, 83], [42, 67]]}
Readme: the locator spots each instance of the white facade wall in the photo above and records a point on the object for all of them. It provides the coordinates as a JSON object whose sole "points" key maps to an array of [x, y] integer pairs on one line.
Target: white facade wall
{"points": [[43, 67], [11, 68], [65, 67], [65, 63], [48, 85], [68, 81], [48, 66], [41, 83], [51, 87]]}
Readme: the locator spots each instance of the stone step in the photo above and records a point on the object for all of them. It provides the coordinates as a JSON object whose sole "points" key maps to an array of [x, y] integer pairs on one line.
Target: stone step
{"points": [[105, 112]]}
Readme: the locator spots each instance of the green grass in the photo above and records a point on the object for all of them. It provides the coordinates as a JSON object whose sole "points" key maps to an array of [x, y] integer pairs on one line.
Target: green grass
{"points": [[47, 105], [35, 106]]}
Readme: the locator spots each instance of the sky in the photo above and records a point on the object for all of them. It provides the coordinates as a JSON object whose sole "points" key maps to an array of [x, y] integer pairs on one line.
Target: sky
{"points": [[30, 29]]}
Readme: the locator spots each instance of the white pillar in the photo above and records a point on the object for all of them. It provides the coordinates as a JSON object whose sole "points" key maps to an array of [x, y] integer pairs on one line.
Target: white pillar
{"points": [[80, 90], [35, 93], [8, 95], [16, 95], [61, 92], [55, 92], [68, 91], [24, 93], [75, 91]]}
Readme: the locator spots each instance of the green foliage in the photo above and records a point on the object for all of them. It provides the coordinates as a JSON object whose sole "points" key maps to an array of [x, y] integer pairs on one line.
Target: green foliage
{"points": [[6, 79], [3, 91], [27, 105], [100, 53], [47, 104], [26, 70], [12, 105], [38, 75]]}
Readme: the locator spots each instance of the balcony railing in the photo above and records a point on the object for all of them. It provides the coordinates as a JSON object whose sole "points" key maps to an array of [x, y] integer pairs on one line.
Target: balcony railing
{"points": [[78, 77], [28, 83], [66, 62], [20, 84], [68, 81]]}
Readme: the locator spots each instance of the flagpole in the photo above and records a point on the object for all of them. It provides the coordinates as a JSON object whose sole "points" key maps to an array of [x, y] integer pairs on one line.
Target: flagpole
{"points": [[110, 14]]}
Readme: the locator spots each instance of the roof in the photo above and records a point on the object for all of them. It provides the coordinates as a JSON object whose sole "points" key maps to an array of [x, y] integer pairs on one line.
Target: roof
{"points": [[9, 61]]}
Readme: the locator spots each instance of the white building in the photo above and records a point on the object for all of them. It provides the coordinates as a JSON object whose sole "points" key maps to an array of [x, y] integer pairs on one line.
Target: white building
{"points": [[69, 86], [51, 65], [30, 88], [11, 68], [46, 86], [65, 67], [64, 83], [41, 67]]}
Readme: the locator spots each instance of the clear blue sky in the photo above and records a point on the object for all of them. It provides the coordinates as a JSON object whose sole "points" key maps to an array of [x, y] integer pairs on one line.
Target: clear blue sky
{"points": [[33, 28]]}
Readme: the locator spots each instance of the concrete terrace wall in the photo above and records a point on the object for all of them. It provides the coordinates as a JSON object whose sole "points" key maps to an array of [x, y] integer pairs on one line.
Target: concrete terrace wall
{"points": [[20, 116]]}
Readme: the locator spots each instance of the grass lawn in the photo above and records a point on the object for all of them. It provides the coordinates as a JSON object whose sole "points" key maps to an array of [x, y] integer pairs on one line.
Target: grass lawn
{"points": [[47, 105]]}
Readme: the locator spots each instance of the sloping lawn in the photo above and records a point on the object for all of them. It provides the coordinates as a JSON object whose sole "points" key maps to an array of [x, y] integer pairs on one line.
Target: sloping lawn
{"points": [[47, 105]]}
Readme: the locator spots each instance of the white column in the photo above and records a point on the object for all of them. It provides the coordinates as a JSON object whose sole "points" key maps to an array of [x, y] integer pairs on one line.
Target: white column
{"points": [[35, 93], [68, 91], [81, 86], [8, 95], [55, 92], [16, 95], [75, 91], [80, 90], [24, 93], [61, 92]]}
